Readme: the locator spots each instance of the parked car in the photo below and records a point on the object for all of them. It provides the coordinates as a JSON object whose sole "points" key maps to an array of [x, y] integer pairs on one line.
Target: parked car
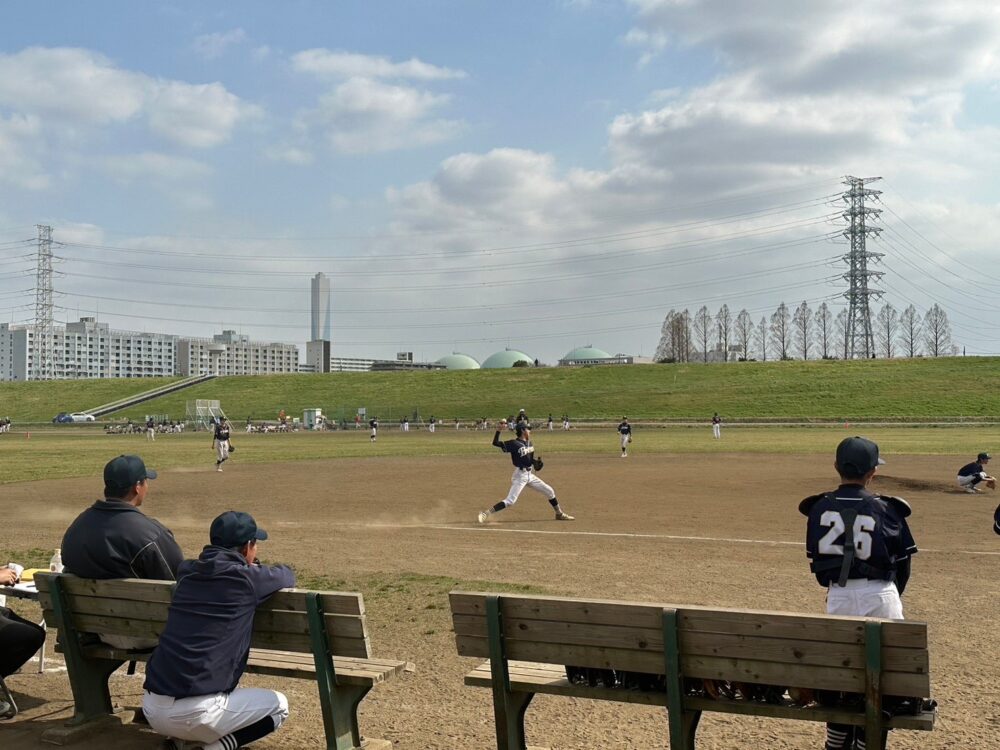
{"points": [[61, 418], [80, 416]]}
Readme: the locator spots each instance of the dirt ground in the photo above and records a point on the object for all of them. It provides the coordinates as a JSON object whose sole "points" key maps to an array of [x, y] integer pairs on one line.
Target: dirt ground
{"points": [[715, 530]]}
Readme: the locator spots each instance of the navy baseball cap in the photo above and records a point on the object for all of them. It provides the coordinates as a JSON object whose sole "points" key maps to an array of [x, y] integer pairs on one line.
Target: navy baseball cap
{"points": [[984, 457], [234, 529], [859, 454], [126, 471], [520, 427]]}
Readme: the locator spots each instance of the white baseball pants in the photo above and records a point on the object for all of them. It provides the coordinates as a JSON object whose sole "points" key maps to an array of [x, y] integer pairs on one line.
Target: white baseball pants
{"points": [[522, 478], [971, 480], [206, 718], [624, 442], [716, 431], [865, 598], [221, 450]]}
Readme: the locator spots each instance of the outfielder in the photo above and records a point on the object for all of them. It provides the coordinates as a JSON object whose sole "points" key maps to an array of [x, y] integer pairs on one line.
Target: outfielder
{"points": [[373, 423], [859, 547], [150, 429], [522, 455], [716, 426], [625, 430], [432, 424], [220, 442], [970, 475]]}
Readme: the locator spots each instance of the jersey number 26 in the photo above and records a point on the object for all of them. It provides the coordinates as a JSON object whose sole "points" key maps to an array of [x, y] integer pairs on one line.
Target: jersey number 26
{"points": [[863, 526]]}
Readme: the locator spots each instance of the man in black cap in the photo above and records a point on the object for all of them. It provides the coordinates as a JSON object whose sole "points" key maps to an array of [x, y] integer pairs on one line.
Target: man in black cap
{"points": [[859, 547], [192, 677], [114, 539], [974, 473]]}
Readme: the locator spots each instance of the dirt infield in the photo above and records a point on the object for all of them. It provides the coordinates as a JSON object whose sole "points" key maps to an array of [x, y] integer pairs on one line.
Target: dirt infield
{"points": [[716, 530]]}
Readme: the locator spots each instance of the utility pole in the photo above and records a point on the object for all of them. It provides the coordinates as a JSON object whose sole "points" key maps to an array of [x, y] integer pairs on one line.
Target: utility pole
{"points": [[44, 369], [859, 335]]}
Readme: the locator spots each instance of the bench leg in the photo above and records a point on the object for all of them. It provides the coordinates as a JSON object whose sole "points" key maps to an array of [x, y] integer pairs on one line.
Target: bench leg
{"points": [[340, 717], [508, 713], [89, 681]]}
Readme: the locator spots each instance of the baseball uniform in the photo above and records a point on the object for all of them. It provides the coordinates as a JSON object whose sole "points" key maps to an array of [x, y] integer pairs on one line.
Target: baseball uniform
{"points": [[625, 431], [220, 441]]}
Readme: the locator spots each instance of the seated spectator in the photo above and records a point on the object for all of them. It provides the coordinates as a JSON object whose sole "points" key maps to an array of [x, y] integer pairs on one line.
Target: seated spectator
{"points": [[19, 640], [114, 539], [192, 677]]}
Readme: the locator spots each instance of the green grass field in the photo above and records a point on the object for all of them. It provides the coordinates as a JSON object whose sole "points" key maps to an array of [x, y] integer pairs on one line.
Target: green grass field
{"points": [[83, 452], [918, 389]]}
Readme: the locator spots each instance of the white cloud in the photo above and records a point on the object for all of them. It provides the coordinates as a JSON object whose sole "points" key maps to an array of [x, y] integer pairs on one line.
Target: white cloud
{"points": [[214, 46], [20, 145], [150, 165], [367, 116], [74, 88], [337, 64], [289, 154]]}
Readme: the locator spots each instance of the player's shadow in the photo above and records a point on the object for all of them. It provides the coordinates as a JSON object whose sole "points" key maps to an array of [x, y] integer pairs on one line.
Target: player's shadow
{"points": [[890, 484]]}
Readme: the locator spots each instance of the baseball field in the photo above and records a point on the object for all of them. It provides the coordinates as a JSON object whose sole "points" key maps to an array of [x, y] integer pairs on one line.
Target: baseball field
{"points": [[684, 519]]}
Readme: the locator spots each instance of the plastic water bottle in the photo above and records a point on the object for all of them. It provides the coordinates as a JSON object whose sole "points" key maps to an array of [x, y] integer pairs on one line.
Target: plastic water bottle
{"points": [[56, 563]]}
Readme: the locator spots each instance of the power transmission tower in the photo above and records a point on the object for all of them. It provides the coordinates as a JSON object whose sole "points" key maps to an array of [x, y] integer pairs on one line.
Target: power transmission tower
{"points": [[44, 369], [860, 336]]}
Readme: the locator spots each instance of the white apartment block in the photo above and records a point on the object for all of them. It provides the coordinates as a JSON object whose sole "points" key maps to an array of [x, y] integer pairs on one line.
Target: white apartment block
{"points": [[230, 353], [87, 349]]}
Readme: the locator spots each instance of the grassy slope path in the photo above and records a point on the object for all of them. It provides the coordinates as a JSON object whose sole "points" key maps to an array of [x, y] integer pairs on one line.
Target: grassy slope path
{"points": [[828, 390]]}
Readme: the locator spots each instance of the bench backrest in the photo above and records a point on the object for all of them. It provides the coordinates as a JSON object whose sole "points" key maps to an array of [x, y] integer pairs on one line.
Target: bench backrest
{"points": [[822, 652], [138, 608]]}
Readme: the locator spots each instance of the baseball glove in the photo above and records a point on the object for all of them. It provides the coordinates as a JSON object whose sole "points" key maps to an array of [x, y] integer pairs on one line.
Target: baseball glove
{"points": [[991, 482], [232, 448], [537, 464]]}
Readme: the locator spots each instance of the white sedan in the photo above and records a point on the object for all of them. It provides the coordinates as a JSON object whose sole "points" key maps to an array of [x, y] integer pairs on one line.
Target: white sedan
{"points": [[82, 417]]}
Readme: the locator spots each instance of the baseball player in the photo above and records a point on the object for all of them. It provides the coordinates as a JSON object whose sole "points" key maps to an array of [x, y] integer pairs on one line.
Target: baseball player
{"points": [[522, 455], [970, 475], [432, 424], [373, 423], [716, 426], [625, 431], [150, 429], [220, 442], [859, 547], [549, 423]]}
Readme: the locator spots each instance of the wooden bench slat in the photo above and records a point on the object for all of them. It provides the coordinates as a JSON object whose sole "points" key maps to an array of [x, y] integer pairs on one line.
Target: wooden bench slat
{"points": [[831, 628], [820, 653]]}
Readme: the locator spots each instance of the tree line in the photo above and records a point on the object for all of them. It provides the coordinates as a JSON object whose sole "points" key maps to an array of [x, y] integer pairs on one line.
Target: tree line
{"points": [[798, 333]]}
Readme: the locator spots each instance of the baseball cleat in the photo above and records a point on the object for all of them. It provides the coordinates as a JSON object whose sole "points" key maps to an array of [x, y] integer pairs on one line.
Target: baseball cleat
{"points": [[483, 516], [564, 517], [219, 467], [971, 490]]}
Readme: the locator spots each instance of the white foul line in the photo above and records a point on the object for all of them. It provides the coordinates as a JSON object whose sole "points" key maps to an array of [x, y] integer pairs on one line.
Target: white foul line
{"points": [[728, 540]]}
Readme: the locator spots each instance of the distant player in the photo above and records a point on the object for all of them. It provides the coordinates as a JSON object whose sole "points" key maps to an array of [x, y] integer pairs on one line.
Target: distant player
{"points": [[432, 424], [220, 442], [565, 421], [521, 418], [522, 455], [859, 547], [972, 474], [716, 426], [549, 423], [150, 429], [625, 431], [373, 423]]}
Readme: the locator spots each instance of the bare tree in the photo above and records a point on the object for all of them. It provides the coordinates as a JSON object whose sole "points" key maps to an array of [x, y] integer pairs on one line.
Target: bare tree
{"points": [[675, 338], [886, 325], [781, 331], [744, 333], [824, 330], [702, 327], [761, 336], [937, 332], [843, 345], [665, 349], [909, 332], [724, 329], [802, 322]]}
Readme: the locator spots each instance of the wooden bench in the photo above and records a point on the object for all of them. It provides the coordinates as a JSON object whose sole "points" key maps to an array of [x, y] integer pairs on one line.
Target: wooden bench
{"points": [[311, 635], [528, 639]]}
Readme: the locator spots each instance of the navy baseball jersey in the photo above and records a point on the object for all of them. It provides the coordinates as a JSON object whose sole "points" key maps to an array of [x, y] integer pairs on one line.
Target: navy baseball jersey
{"points": [[882, 540], [716, 419], [221, 432], [971, 470], [373, 423], [521, 451], [625, 428]]}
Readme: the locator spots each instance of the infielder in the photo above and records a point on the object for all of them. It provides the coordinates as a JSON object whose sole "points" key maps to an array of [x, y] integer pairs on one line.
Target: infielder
{"points": [[522, 455], [150, 429], [373, 423], [970, 475], [625, 431], [859, 547], [716, 426], [220, 442]]}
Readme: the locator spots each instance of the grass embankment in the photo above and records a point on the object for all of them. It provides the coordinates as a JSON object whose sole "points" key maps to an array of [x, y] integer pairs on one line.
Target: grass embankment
{"points": [[823, 390], [83, 453]]}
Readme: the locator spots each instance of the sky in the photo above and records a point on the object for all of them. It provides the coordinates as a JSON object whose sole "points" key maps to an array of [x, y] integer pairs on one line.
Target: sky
{"points": [[475, 175]]}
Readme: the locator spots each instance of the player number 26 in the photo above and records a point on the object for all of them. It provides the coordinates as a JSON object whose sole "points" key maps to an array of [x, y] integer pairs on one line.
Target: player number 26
{"points": [[863, 526]]}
